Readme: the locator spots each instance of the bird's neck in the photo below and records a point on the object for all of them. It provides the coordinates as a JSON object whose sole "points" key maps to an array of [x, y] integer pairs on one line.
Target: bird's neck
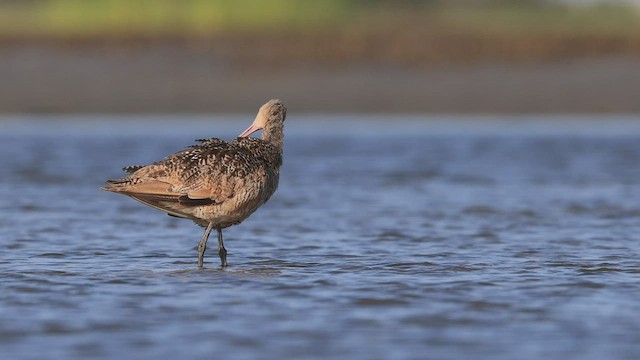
{"points": [[274, 135]]}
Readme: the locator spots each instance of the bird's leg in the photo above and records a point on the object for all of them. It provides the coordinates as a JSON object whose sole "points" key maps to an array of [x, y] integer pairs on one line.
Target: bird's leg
{"points": [[202, 245], [221, 250]]}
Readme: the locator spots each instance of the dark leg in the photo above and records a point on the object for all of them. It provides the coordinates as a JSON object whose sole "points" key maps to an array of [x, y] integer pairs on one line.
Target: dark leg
{"points": [[221, 250], [202, 245]]}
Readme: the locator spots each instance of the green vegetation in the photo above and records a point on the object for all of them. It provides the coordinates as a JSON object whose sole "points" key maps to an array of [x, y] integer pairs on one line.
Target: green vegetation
{"points": [[89, 18], [583, 20], [62, 19]]}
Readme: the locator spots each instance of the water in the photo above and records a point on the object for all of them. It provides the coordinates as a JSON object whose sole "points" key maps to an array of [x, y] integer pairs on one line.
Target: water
{"points": [[448, 238]]}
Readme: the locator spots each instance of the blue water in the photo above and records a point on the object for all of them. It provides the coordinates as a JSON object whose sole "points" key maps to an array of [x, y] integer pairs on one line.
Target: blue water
{"points": [[389, 238]]}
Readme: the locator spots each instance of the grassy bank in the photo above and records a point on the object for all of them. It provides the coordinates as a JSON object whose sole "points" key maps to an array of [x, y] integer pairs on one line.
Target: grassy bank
{"points": [[64, 19], [157, 18], [332, 32]]}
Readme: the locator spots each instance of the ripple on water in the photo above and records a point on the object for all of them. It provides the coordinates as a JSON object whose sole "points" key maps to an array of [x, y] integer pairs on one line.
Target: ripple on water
{"points": [[15, 245], [282, 264], [438, 320], [30, 208], [411, 267], [391, 235], [379, 302], [600, 270], [582, 285], [480, 210], [52, 255], [59, 328]]}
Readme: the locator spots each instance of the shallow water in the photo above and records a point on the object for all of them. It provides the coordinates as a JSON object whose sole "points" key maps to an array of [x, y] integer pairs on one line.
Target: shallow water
{"points": [[417, 238]]}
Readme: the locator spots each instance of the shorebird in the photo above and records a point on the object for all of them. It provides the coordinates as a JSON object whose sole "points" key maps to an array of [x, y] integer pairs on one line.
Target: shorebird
{"points": [[214, 183]]}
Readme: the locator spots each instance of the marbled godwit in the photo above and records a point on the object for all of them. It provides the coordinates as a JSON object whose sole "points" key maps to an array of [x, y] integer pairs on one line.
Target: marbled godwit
{"points": [[214, 183]]}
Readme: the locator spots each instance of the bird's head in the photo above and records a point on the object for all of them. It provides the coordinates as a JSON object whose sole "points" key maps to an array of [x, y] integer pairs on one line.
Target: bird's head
{"points": [[270, 113]]}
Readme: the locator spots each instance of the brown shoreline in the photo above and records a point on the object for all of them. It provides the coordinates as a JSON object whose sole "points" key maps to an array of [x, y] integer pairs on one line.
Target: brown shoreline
{"points": [[192, 77]]}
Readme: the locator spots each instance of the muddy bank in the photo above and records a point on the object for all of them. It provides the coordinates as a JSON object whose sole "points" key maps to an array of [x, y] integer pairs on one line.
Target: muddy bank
{"points": [[169, 77]]}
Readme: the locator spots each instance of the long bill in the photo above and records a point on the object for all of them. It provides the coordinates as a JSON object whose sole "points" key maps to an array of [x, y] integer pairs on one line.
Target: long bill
{"points": [[253, 128]]}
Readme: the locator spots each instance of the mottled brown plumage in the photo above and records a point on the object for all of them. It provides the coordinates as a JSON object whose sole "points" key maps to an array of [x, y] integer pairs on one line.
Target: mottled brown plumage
{"points": [[214, 183]]}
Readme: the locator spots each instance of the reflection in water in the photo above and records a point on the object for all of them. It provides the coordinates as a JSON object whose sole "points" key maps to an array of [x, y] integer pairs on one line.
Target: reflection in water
{"points": [[482, 243]]}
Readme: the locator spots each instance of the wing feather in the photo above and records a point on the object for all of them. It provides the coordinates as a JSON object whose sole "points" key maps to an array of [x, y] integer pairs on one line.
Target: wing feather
{"points": [[205, 173]]}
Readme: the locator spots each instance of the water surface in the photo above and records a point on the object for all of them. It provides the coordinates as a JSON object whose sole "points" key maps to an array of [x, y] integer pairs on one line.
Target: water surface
{"points": [[407, 239]]}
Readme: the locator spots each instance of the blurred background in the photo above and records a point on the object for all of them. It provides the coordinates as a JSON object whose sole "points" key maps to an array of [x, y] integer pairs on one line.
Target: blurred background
{"points": [[460, 179], [342, 56]]}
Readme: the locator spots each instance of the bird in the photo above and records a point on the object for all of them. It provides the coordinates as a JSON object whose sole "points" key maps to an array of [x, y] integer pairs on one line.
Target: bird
{"points": [[215, 183]]}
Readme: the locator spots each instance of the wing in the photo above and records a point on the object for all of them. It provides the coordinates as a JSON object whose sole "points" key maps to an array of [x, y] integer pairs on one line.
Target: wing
{"points": [[203, 174]]}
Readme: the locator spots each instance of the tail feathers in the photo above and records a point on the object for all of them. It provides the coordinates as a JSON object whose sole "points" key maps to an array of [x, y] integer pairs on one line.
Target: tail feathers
{"points": [[116, 185], [117, 181], [131, 169], [112, 186], [122, 181]]}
